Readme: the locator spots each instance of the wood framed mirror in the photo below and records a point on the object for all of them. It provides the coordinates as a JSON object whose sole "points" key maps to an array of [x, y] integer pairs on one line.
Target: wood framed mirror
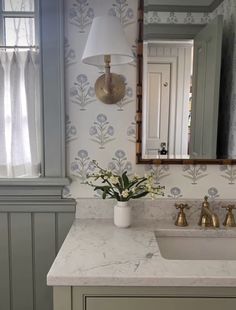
{"points": [[173, 128]]}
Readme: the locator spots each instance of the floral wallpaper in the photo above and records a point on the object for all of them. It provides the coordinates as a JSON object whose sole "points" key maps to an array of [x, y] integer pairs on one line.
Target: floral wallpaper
{"points": [[176, 18], [107, 132]]}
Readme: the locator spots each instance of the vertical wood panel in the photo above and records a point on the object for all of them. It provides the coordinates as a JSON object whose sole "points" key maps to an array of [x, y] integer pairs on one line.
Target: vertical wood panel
{"points": [[21, 253], [4, 263], [28, 244], [65, 221], [44, 254]]}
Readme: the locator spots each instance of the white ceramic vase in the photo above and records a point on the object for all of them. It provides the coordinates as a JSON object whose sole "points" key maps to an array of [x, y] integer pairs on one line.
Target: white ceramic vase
{"points": [[122, 214]]}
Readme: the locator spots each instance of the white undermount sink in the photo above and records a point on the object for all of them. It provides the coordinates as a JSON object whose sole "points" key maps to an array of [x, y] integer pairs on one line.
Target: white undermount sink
{"points": [[195, 247]]}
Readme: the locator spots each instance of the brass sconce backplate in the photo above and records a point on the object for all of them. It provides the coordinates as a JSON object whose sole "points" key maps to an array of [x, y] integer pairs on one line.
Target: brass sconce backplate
{"points": [[116, 91]]}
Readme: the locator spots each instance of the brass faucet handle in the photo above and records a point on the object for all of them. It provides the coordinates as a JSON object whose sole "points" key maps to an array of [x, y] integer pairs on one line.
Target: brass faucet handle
{"points": [[229, 218], [182, 206], [229, 207], [181, 217]]}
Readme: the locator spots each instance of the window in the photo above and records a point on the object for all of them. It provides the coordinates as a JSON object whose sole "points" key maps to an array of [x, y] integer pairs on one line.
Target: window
{"points": [[49, 27], [20, 92], [17, 23]]}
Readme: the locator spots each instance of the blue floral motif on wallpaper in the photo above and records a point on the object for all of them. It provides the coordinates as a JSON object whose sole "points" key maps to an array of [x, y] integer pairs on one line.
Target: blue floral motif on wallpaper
{"points": [[81, 15], [66, 192], [195, 172], [70, 56], [175, 192], [102, 131], [159, 172], [189, 19], [82, 93], [229, 173], [119, 163], [131, 132], [213, 193], [71, 130], [172, 19], [205, 18], [82, 165], [128, 98], [120, 9]]}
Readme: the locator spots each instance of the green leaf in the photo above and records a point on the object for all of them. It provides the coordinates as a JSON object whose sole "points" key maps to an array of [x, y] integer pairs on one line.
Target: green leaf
{"points": [[125, 179], [116, 196], [140, 195], [103, 188], [104, 195], [121, 182]]}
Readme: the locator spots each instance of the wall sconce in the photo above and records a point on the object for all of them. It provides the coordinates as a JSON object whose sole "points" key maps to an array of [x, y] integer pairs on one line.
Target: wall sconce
{"points": [[107, 45]]}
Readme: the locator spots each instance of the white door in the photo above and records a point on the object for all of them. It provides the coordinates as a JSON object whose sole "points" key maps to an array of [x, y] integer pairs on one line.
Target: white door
{"points": [[206, 82], [158, 105]]}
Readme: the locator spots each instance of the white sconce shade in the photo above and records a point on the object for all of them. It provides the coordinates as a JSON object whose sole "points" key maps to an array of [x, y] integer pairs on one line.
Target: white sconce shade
{"points": [[106, 37], [106, 44]]}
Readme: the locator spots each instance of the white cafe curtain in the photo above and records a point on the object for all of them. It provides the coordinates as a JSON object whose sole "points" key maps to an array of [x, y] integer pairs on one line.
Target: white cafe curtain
{"points": [[20, 153]]}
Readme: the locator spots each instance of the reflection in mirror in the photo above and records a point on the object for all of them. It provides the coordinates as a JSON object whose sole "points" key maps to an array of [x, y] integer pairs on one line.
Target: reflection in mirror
{"points": [[181, 87], [167, 71]]}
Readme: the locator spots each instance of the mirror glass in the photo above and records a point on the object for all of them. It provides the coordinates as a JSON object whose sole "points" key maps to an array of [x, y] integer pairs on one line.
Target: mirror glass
{"points": [[186, 108]]}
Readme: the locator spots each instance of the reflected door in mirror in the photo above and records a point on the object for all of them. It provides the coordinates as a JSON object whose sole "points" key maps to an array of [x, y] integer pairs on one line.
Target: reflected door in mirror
{"points": [[166, 98]]}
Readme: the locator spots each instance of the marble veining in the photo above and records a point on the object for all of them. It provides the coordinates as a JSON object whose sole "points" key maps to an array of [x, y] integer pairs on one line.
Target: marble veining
{"points": [[96, 253]]}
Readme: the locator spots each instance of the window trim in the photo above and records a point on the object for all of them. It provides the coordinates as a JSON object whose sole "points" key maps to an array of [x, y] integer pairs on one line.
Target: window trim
{"points": [[53, 97]]}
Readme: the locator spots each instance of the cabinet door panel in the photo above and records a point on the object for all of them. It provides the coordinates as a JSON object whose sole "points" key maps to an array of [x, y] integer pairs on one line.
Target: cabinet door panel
{"points": [[158, 303]]}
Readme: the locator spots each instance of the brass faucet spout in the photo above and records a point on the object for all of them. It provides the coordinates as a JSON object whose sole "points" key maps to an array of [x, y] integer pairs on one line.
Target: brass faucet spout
{"points": [[208, 218]]}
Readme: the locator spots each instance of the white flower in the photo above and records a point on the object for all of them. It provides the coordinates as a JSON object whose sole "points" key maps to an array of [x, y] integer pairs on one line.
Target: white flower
{"points": [[136, 176], [105, 177], [133, 190], [125, 193], [150, 178], [114, 180]]}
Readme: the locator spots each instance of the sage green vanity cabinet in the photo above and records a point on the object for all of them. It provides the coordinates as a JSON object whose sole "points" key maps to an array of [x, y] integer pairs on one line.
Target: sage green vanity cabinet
{"points": [[144, 298]]}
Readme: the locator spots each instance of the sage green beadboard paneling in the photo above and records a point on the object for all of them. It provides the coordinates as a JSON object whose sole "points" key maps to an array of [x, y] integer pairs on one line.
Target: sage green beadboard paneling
{"points": [[4, 263], [37, 205], [31, 233], [21, 261], [63, 226], [44, 252]]}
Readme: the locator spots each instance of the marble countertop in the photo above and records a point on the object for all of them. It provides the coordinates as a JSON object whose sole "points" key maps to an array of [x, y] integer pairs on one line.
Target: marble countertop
{"points": [[96, 253]]}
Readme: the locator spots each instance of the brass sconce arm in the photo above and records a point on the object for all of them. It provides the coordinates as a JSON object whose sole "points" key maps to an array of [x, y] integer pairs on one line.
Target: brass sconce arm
{"points": [[109, 87]]}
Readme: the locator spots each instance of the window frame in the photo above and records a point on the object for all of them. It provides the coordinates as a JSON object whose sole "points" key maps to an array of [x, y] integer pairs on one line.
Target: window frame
{"points": [[51, 44], [17, 14]]}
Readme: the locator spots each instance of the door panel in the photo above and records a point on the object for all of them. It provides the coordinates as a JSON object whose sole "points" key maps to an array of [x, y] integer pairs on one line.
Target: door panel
{"points": [[158, 105]]}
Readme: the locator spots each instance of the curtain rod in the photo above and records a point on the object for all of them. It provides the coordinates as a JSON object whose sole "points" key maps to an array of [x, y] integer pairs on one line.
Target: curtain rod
{"points": [[20, 46]]}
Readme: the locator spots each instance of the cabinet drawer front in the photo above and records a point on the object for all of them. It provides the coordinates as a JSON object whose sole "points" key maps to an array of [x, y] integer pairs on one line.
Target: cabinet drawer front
{"points": [[159, 303]]}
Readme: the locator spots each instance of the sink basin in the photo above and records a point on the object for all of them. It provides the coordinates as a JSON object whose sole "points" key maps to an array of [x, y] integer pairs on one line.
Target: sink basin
{"points": [[197, 247]]}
